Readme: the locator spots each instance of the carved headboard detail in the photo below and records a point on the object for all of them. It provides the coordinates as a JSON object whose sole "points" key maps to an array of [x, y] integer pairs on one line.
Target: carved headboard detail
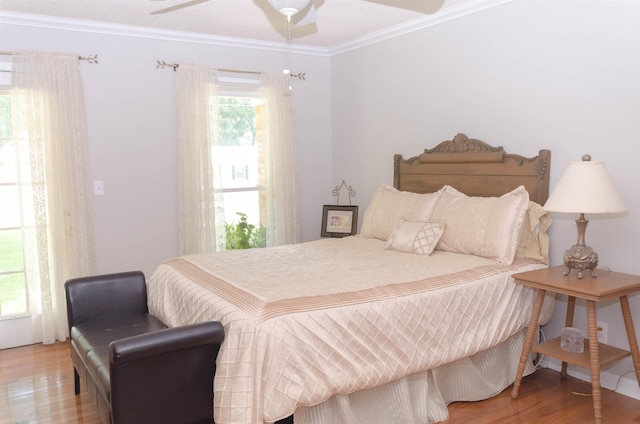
{"points": [[475, 168]]}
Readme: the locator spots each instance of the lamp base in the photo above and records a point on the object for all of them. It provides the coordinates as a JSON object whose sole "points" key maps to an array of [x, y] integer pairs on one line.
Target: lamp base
{"points": [[580, 257]]}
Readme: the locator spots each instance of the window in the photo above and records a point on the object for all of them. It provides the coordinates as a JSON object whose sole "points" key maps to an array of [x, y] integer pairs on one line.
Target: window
{"points": [[43, 193], [265, 129], [13, 287], [239, 172], [236, 162]]}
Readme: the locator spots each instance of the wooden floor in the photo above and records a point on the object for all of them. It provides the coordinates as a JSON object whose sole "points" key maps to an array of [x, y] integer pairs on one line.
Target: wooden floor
{"points": [[36, 386]]}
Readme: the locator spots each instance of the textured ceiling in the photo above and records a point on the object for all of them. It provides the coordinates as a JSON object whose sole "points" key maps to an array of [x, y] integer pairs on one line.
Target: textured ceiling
{"points": [[338, 21]]}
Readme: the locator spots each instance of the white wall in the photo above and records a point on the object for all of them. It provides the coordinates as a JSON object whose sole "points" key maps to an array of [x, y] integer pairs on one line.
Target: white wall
{"points": [[530, 74], [527, 75], [132, 133]]}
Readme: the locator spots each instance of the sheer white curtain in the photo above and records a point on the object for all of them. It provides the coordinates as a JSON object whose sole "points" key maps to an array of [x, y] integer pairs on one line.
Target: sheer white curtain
{"points": [[197, 115], [197, 89], [49, 118], [280, 160]]}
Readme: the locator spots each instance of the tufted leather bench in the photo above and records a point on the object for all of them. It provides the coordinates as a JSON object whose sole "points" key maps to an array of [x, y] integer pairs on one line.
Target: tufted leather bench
{"points": [[135, 369]]}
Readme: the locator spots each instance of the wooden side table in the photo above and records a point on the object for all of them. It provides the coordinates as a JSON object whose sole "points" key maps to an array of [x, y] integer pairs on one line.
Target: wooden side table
{"points": [[607, 285]]}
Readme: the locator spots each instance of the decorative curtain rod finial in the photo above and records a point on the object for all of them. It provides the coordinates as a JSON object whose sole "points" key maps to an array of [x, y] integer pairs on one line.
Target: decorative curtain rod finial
{"points": [[161, 64], [301, 76], [92, 58]]}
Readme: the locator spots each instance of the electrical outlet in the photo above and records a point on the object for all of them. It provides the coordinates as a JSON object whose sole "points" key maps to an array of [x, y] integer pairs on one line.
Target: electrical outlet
{"points": [[98, 188], [603, 332]]}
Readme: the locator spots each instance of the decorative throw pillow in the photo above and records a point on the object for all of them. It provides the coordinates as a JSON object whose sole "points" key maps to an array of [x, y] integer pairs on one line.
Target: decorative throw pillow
{"points": [[534, 241], [415, 236], [388, 205], [483, 226]]}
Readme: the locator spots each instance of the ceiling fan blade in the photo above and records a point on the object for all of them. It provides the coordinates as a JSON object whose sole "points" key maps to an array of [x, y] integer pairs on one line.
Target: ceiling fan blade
{"points": [[424, 6], [307, 17], [178, 7], [274, 17]]}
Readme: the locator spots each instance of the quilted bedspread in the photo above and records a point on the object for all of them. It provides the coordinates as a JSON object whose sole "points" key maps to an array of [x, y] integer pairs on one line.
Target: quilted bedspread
{"points": [[304, 322]]}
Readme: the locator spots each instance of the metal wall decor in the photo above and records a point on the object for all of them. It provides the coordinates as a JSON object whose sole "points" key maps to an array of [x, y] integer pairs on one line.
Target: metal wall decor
{"points": [[336, 192]]}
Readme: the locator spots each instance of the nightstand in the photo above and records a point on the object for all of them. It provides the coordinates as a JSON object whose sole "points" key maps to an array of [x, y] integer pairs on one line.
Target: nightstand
{"points": [[608, 285]]}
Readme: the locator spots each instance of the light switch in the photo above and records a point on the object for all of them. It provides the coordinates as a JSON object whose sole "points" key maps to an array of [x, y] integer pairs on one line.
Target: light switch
{"points": [[98, 188]]}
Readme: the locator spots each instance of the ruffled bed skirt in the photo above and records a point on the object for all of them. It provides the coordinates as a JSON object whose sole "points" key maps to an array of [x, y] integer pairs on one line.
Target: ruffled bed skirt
{"points": [[422, 398]]}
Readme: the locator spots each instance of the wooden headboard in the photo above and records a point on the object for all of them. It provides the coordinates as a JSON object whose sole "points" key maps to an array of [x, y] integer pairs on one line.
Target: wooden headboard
{"points": [[474, 168]]}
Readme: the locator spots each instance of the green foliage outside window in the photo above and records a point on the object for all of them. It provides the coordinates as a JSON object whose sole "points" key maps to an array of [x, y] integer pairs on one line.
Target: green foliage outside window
{"points": [[237, 120], [243, 235], [5, 118]]}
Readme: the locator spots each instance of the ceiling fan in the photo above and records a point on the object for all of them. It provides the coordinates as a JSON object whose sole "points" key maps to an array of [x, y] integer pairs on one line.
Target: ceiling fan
{"points": [[288, 8], [303, 12]]}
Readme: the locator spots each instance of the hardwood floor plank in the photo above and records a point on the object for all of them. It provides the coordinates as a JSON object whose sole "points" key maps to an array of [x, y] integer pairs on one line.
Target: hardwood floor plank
{"points": [[36, 387], [545, 398]]}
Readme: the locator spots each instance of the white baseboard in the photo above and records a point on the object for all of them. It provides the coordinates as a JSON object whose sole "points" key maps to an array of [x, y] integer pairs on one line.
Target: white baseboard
{"points": [[627, 385], [16, 331]]}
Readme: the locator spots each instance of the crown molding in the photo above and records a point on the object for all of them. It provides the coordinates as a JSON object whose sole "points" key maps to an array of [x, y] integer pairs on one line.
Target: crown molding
{"points": [[94, 27], [427, 21]]}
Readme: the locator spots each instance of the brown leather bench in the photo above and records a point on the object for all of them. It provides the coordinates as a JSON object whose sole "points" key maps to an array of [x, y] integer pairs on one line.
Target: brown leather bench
{"points": [[135, 369]]}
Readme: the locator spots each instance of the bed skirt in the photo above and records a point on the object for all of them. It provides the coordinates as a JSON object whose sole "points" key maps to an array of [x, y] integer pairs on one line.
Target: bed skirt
{"points": [[422, 398]]}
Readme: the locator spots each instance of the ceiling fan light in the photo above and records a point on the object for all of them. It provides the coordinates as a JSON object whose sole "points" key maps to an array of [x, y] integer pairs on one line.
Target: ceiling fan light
{"points": [[288, 11], [289, 7]]}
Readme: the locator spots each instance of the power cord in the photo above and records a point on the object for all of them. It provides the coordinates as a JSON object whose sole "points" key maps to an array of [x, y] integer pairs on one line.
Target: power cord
{"points": [[620, 378], [615, 389], [539, 356]]}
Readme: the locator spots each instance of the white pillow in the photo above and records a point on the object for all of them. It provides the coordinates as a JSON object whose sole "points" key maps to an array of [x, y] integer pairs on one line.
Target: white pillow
{"points": [[534, 241], [415, 236], [483, 226], [388, 205]]}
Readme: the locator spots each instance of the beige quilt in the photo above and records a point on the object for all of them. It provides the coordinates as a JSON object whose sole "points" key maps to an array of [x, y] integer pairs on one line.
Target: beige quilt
{"points": [[304, 322]]}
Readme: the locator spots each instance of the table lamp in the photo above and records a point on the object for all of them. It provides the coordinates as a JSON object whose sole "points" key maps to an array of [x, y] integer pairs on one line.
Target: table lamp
{"points": [[585, 187]]}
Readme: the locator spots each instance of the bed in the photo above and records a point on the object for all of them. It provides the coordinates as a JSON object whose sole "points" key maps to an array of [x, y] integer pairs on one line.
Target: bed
{"points": [[416, 311]]}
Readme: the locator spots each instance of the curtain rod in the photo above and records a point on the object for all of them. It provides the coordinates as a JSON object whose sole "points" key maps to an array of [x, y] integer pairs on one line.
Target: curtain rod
{"points": [[92, 58], [161, 64]]}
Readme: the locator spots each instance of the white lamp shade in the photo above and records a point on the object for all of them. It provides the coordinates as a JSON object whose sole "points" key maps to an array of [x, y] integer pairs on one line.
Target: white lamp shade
{"points": [[585, 187]]}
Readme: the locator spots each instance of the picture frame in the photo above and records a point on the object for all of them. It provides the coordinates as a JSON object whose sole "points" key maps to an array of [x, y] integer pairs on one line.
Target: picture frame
{"points": [[339, 221]]}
